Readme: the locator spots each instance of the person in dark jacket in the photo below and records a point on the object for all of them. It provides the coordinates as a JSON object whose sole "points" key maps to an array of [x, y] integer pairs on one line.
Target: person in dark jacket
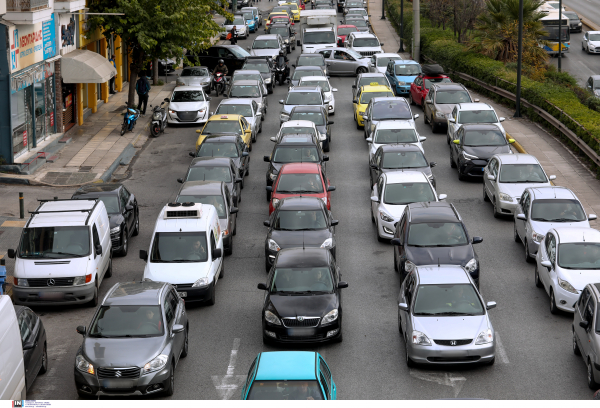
{"points": [[233, 36], [142, 87]]}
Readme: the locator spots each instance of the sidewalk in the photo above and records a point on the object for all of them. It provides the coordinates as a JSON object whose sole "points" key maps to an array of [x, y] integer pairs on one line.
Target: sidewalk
{"points": [[554, 157]]}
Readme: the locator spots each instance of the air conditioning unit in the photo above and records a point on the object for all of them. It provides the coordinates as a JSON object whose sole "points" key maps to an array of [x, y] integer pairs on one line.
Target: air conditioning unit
{"points": [[182, 210]]}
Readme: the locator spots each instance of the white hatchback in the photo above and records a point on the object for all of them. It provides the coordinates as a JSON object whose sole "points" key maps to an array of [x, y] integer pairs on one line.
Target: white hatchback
{"points": [[472, 113], [394, 132], [323, 82], [188, 104]]}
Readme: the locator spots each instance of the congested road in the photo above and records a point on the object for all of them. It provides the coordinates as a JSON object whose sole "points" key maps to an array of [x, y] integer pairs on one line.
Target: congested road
{"points": [[534, 356]]}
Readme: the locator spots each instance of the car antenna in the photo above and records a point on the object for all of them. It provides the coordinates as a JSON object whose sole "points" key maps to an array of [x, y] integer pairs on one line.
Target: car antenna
{"points": [[583, 233], [438, 262]]}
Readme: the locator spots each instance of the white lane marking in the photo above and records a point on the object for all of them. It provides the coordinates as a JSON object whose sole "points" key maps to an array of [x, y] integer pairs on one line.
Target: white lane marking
{"points": [[227, 384], [452, 380], [501, 351]]}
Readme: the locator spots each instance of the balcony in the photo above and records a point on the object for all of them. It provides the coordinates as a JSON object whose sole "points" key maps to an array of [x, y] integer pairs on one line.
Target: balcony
{"points": [[26, 5], [27, 11], [68, 6]]}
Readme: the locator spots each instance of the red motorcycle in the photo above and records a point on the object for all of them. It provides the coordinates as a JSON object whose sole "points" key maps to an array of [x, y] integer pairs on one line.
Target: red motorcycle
{"points": [[219, 83]]}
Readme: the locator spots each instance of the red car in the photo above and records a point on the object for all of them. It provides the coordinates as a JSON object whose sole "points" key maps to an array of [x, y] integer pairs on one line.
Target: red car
{"points": [[300, 179], [342, 32], [420, 87]]}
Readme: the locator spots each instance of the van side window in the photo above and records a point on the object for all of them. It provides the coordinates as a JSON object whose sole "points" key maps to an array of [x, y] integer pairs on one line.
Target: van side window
{"points": [[213, 244], [96, 238]]}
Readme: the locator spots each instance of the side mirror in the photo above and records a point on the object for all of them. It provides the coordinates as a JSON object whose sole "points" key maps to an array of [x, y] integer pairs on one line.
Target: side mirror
{"points": [[234, 210], [192, 154], [403, 307], [143, 255], [416, 116], [451, 120], [521, 217], [267, 223], [365, 117], [354, 101], [217, 253], [369, 140], [166, 99], [490, 305], [238, 180], [325, 158], [546, 264], [476, 240], [456, 141], [98, 249], [248, 48], [333, 89], [432, 164], [501, 119], [584, 323], [553, 177], [180, 180], [373, 166], [331, 188], [267, 158], [422, 138], [381, 44], [11, 253], [353, 86], [592, 217], [342, 285], [375, 199], [334, 223], [491, 177], [81, 330], [476, 100], [177, 328], [442, 197], [331, 122], [511, 141], [29, 345], [294, 65], [245, 154], [261, 286], [281, 101], [269, 189]]}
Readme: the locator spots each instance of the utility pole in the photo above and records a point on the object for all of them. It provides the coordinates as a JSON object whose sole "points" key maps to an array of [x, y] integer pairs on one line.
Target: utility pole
{"points": [[383, 9], [519, 61], [559, 35], [417, 30], [401, 49]]}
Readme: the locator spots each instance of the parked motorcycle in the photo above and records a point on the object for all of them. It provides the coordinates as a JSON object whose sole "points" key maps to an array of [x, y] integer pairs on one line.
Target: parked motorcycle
{"points": [[130, 117], [159, 119], [219, 83]]}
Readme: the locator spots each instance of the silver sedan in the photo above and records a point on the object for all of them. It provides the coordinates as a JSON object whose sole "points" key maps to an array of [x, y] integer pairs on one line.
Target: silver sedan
{"points": [[342, 61], [195, 76]]}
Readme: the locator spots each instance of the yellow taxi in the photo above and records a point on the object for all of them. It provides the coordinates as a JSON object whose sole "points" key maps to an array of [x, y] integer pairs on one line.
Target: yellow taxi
{"points": [[363, 97], [221, 124], [295, 10], [276, 13]]}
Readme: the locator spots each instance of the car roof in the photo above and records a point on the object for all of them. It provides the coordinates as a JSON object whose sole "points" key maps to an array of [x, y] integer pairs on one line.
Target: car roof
{"points": [[295, 122], [300, 203], [211, 161], [577, 234], [236, 101], [399, 147], [201, 187], [228, 116], [442, 275], [517, 158], [306, 88], [474, 106], [98, 188], [302, 257], [188, 88], [314, 78], [411, 176], [308, 168], [308, 68], [395, 124], [266, 37], [286, 365], [134, 293], [551, 192], [76, 212], [450, 85], [434, 211], [402, 61], [246, 82]]}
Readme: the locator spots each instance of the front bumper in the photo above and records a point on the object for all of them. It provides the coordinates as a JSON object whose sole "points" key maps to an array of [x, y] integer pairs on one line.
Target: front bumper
{"points": [[144, 385], [173, 118], [47, 296], [565, 300], [386, 229], [302, 334], [190, 294], [438, 354], [402, 89], [473, 168], [507, 207]]}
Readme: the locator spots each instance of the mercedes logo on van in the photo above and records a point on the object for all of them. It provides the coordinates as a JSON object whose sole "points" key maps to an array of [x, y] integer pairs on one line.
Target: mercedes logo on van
{"points": [[50, 282], [300, 318], [117, 373], [453, 342]]}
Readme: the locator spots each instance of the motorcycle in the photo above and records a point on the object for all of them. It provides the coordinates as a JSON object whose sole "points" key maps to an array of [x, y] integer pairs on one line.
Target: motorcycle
{"points": [[159, 119], [281, 72], [219, 83], [130, 117]]}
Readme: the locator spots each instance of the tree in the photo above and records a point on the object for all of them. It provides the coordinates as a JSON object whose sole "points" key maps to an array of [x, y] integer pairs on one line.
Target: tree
{"points": [[465, 13], [157, 29]]}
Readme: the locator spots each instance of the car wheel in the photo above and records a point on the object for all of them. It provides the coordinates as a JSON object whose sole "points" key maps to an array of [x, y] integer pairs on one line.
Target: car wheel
{"points": [[253, 138], [84, 395], [213, 295], [171, 386], [229, 250], [268, 196], [357, 125], [410, 99], [44, 366], [270, 88], [94, 301], [242, 183], [536, 278], [109, 270], [361, 70], [553, 308], [590, 376], [433, 125], [399, 323], [235, 228], [184, 351], [125, 241], [425, 120], [409, 362], [528, 257], [395, 261], [326, 146], [379, 238], [372, 217], [495, 208], [248, 169], [452, 164], [260, 128], [267, 266], [485, 196], [515, 234], [250, 147], [136, 226], [576, 349], [222, 273]]}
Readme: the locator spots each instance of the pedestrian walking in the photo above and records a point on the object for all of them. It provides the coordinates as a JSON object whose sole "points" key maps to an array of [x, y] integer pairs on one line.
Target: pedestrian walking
{"points": [[142, 87], [233, 36], [111, 83]]}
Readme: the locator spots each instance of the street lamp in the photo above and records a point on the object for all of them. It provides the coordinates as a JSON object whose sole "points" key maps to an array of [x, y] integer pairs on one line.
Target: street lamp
{"points": [[401, 49], [383, 9], [519, 61], [559, 35]]}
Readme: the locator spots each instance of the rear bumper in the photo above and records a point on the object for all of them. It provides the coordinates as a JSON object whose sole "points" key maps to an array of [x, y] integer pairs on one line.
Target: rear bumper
{"points": [[47, 296]]}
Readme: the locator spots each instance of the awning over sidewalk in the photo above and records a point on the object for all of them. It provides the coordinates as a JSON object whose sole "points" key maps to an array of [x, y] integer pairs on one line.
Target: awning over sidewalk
{"points": [[86, 67]]}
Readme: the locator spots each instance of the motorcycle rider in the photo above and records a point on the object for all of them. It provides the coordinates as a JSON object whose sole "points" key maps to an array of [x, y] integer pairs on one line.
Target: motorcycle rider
{"points": [[282, 59], [222, 68]]}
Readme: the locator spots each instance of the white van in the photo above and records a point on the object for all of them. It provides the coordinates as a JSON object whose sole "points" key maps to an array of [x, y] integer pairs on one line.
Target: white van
{"points": [[64, 254], [12, 368], [186, 250]]}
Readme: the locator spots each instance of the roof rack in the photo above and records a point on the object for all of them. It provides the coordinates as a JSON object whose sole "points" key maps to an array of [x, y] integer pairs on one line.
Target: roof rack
{"points": [[42, 202]]}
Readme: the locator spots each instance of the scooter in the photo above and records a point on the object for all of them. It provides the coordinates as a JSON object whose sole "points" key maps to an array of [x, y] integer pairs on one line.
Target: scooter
{"points": [[159, 119], [130, 117], [281, 73], [219, 82]]}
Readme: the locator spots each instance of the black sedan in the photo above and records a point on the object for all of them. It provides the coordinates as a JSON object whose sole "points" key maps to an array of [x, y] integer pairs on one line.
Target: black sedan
{"points": [[299, 222], [318, 115], [395, 157], [304, 301], [230, 146], [215, 169], [122, 208], [33, 339], [234, 57]]}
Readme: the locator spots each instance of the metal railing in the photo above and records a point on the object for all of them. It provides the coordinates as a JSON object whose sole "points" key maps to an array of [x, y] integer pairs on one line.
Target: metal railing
{"points": [[26, 5]]}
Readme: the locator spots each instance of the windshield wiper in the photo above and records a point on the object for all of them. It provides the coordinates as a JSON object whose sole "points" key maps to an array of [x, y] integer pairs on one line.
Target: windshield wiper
{"points": [[63, 253], [453, 314], [564, 220]]}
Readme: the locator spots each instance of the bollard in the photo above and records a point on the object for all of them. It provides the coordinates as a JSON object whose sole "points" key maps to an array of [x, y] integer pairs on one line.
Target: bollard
{"points": [[21, 206]]}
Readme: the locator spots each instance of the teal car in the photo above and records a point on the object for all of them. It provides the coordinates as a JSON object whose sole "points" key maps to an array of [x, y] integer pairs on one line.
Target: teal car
{"points": [[289, 375], [402, 73]]}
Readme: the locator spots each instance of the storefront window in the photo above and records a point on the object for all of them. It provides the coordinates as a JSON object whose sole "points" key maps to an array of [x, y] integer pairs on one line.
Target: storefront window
{"points": [[40, 111], [22, 114]]}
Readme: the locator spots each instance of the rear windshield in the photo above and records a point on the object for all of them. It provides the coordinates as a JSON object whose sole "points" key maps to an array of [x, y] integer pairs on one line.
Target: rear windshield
{"points": [[285, 390], [392, 136], [323, 83], [522, 173], [579, 255], [55, 242], [179, 246], [406, 193], [300, 220], [299, 183], [404, 160], [437, 234], [260, 66], [302, 73], [477, 116], [443, 97], [244, 110], [304, 98], [282, 31], [217, 150], [316, 61], [447, 300], [346, 30], [369, 80], [194, 72], [359, 23], [209, 173], [216, 201], [285, 154], [316, 117], [110, 202], [557, 210], [391, 110], [127, 321]]}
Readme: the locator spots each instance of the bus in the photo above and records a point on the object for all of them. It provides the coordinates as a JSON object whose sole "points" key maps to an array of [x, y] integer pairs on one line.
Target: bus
{"points": [[550, 22]]}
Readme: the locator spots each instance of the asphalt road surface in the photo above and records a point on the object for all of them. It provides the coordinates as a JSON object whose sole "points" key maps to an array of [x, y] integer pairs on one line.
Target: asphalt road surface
{"points": [[578, 62], [534, 355]]}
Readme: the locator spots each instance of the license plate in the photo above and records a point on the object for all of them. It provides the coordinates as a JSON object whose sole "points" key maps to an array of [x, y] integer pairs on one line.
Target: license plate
{"points": [[301, 332], [182, 294], [121, 384], [51, 295]]}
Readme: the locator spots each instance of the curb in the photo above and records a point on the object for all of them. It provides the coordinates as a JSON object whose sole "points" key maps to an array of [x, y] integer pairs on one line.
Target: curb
{"points": [[516, 144], [124, 157]]}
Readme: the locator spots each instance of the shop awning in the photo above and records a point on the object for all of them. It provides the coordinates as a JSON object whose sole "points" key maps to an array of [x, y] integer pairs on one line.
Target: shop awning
{"points": [[86, 67]]}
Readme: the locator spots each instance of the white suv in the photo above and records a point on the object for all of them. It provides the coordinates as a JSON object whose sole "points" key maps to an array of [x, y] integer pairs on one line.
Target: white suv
{"points": [[472, 113], [366, 44]]}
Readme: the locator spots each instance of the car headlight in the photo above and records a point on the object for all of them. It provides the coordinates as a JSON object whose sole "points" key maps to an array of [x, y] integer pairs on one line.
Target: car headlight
{"points": [[386, 217], [157, 116], [22, 282], [79, 280], [322, 136], [157, 364], [592, 46], [330, 317], [327, 244], [439, 115], [471, 265], [275, 202], [273, 245], [566, 286], [115, 230], [283, 117], [401, 83], [286, 41], [172, 112], [505, 197], [420, 338], [200, 283], [83, 365], [271, 318], [469, 156], [273, 176], [205, 83], [485, 337], [578, 24], [361, 113], [409, 266], [324, 200], [536, 237]]}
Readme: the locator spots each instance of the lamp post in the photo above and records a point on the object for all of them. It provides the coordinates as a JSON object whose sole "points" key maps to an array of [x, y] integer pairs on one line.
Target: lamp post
{"points": [[559, 35], [383, 9], [401, 49], [519, 61], [417, 30]]}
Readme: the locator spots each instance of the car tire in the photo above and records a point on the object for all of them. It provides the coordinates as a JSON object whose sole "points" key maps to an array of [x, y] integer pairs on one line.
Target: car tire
{"points": [[528, 257], [425, 121], [136, 225], [410, 99], [409, 362], [379, 238], [536, 278], [395, 262], [495, 209], [361, 70], [268, 196], [590, 376], [326, 146], [94, 301], [270, 88], [515, 234], [260, 128], [433, 125], [229, 250], [372, 217], [44, 366], [213, 295], [109, 270], [184, 351], [250, 147], [222, 273], [485, 196], [452, 164], [235, 228], [576, 349], [400, 324], [171, 386], [267, 266], [358, 126], [125, 241], [553, 308]]}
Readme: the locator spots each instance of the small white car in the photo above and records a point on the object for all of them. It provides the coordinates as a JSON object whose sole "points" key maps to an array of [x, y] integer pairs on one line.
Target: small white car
{"points": [[568, 259], [267, 45], [188, 104], [304, 127], [394, 132], [360, 11], [366, 44], [591, 42], [392, 192], [248, 108], [241, 27], [472, 113], [379, 62], [323, 82]]}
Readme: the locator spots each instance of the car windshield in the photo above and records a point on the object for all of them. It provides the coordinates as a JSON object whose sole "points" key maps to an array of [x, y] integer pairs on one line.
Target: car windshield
{"points": [[262, 67], [110, 202], [265, 44], [302, 280], [359, 22], [209, 173], [594, 37], [316, 117], [404, 160], [316, 61], [522, 173], [289, 154], [393, 136], [280, 19], [430, 81], [447, 300], [579, 255], [244, 110], [285, 390], [55, 242], [319, 37], [194, 72], [357, 56], [366, 97], [477, 116], [303, 220], [304, 98], [391, 110], [557, 210], [570, 15], [295, 130], [323, 83], [238, 51], [408, 70], [244, 91], [282, 31], [346, 30], [484, 138], [406, 193], [295, 183], [299, 73], [251, 77], [437, 234], [179, 246], [187, 96], [127, 321], [443, 97], [221, 149], [372, 80], [362, 12], [365, 42], [216, 201], [222, 126]]}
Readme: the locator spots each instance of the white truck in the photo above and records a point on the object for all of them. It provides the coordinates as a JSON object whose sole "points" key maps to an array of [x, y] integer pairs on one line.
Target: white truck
{"points": [[318, 30]]}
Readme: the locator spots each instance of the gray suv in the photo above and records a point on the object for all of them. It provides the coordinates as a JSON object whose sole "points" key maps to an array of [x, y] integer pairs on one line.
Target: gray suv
{"points": [[135, 340], [440, 102]]}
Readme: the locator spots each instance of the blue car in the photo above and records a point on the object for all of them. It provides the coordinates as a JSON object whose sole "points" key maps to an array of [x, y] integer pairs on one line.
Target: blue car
{"points": [[250, 20], [402, 73], [289, 375]]}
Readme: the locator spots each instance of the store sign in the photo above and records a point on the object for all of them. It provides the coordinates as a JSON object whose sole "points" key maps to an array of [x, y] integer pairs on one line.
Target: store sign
{"points": [[68, 100], [31, 43], [52, 118], [24, 138]]}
